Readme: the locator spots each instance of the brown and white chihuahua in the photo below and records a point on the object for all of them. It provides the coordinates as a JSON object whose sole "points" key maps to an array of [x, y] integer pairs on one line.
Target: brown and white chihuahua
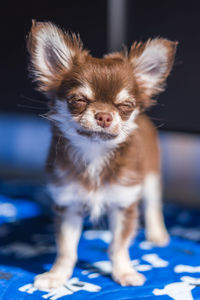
{"points": [[104, 152]]}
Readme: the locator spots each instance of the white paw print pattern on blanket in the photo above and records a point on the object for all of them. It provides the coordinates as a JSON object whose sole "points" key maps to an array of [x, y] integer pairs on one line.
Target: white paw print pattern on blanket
{"points": [[181, 290], [70, 287], [176, 290]]}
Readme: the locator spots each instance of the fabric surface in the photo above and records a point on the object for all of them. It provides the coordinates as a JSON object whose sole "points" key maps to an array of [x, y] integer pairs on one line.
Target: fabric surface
{"points": [[27, 248]]}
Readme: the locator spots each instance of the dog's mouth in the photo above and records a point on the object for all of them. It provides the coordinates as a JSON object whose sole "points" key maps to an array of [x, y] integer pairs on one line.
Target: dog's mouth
{"points": [[97, 134]]}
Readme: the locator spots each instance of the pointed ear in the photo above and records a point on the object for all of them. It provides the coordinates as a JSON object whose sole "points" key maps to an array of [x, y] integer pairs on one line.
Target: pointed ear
{"points": [[52, 53], [152, 62]]}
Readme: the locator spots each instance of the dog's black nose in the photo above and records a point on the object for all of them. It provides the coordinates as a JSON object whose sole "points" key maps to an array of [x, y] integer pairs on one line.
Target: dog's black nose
{"points": [[103, 119]]}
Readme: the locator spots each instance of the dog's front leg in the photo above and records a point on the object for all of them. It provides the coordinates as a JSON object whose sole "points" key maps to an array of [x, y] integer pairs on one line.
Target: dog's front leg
{"points": [[68, 227], [156, 231], [123, 224]]}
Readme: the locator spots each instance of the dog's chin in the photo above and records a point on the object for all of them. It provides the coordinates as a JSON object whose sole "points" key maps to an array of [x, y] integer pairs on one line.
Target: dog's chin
{"points": [[97, 135]]}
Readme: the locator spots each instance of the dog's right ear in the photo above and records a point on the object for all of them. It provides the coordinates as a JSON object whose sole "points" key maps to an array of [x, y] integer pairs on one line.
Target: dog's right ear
{"points": [[152, 62], [53, 53]]}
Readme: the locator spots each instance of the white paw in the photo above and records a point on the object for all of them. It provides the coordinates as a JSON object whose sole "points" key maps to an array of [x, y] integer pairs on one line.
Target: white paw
{"points": [[159, 237], [49, 280], [129, 278]]}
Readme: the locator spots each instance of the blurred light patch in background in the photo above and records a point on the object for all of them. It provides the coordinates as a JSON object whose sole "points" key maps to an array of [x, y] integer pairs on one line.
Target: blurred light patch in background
{"points": [[24, 143], [181, 167]]}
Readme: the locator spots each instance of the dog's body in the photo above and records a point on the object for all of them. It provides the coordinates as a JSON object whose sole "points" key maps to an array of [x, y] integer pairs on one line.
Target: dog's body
{"points": [[97, 176], [104, 153]]}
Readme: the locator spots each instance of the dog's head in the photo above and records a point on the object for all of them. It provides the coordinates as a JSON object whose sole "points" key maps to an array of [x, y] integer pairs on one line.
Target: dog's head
{"points": [[96, 98]]}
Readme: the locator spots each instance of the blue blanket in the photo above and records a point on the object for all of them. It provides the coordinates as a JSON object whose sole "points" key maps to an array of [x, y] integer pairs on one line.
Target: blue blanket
{"points": [[27, 248]]}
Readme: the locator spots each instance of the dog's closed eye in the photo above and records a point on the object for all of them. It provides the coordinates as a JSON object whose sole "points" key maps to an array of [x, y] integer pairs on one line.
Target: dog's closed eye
{"points": [[77, 105]]}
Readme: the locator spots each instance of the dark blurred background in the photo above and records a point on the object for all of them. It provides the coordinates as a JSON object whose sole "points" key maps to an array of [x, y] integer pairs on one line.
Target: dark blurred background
{"points": [[178, 107], [103, 25]]}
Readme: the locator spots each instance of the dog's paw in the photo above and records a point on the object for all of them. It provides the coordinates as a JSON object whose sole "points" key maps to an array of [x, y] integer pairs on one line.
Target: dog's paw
{"points": [[49, 280], [159, 237], [129, 278]]}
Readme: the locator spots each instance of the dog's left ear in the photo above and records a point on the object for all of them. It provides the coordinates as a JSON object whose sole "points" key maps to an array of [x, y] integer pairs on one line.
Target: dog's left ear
{"points": [[152, 62]]}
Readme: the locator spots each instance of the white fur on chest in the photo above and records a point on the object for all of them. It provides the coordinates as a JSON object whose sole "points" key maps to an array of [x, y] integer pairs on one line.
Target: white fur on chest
{"points": [[92, 155], [96, 158], [96, 202]]}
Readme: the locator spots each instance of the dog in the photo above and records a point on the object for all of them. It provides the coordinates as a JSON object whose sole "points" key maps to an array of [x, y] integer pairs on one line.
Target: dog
{"points": [[104, 155]]}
